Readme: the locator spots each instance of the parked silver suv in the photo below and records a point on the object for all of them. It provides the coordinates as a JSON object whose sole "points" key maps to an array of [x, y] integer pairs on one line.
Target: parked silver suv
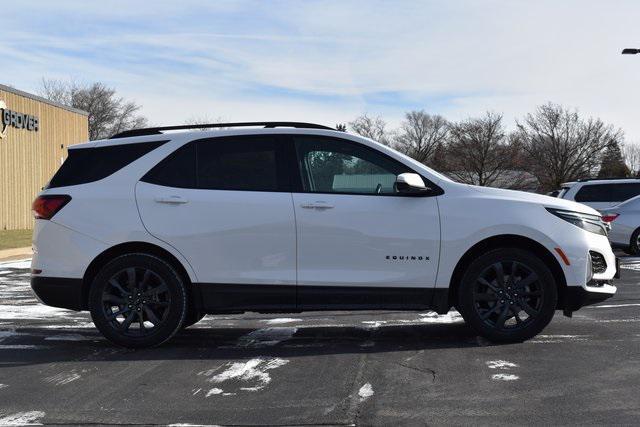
{"points": [[600, 193]]}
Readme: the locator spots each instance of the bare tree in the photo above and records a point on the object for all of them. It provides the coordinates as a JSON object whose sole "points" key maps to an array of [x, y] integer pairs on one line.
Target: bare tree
{"points": [[479, 152], [631, 155], [561, 146], [108, 113], [421, 135], [371, 127], [204, 119]]}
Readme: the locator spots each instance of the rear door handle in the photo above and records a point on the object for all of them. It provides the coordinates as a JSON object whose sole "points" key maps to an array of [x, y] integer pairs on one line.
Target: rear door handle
{"points": [[171, 200], [316, 205]]}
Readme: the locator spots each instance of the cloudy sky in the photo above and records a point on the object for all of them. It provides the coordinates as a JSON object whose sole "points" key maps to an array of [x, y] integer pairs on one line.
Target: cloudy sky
{"points": [[329, 61]]}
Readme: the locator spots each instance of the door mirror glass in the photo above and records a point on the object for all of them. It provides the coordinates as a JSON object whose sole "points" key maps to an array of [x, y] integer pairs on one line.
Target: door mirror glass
{"points": [[408, 183]]}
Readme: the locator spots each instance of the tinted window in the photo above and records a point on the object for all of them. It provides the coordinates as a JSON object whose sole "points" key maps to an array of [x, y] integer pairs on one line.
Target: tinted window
{"points": [[85, 165], [177, 170], [250, 163], [626, 191], [337, 166], [607, 192]]}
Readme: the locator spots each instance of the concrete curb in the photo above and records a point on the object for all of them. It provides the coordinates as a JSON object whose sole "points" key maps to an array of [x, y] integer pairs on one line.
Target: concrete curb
{"points": [[13, 253]]}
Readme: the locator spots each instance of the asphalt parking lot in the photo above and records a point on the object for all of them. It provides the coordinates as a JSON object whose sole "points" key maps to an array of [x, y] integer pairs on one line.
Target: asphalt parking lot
{"points": [[369, 368]]}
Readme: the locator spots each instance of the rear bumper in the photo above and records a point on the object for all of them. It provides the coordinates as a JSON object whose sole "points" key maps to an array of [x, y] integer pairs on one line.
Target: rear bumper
{"points": [[59, 292]]}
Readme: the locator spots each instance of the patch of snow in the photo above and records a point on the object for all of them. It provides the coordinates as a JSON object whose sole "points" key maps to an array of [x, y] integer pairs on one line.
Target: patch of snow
{"points": [[63, 378], [76, 325], [281, 320], [32, 312], [365, 392], [22, 418], [20, 263], [253, 371], [214, 391], [504, 377], [555, 339], [500, 364], [433, 317], [266, 337]]}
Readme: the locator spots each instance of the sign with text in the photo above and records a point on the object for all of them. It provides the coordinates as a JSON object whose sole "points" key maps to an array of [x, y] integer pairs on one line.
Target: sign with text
{"points": [[10, 118]]}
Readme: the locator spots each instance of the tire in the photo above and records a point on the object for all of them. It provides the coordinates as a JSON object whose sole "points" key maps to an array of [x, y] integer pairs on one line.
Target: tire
{"points": [[634, 245], [143, 312], [192, 318], [495, 308]]}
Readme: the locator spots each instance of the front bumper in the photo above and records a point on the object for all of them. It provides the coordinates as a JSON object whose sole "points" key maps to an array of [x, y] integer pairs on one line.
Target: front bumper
{"points": [[59, 292], [576, 297]]}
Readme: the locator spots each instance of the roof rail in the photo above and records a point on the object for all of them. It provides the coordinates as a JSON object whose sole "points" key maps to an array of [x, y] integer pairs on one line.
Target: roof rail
{"points": [[606, 179], [158, 130]]}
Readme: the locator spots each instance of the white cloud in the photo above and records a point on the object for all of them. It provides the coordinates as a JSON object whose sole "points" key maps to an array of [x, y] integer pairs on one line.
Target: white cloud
{"points": [[326, 61]]}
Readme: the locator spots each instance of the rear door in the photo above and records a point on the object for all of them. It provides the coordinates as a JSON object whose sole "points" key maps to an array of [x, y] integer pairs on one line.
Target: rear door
{"points": [[360, 244], [225, 204]]}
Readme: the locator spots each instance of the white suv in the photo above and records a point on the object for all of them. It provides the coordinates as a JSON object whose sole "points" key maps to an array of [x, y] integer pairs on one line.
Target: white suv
{"points": [[600, 193], [151, 230]]}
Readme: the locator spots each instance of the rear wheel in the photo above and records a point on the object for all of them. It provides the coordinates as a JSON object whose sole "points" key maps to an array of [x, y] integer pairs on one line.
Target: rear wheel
{"points": [[137, 301], [508, 295]]}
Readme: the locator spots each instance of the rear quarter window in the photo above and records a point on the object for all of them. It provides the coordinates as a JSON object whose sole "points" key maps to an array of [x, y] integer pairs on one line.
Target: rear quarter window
{"points": [[607, 192], [84, 165]]}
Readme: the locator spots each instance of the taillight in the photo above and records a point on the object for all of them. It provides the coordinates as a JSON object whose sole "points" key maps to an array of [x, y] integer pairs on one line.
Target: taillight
{"points": [[609, 217], [45, 207]]}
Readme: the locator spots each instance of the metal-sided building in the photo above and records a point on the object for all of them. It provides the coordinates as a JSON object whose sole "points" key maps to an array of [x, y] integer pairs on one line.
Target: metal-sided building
{"points": [[34, 136]]}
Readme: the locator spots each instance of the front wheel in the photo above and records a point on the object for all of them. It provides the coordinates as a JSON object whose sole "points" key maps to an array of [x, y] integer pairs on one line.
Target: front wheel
{"points": [[137, 301], [508, 295]]}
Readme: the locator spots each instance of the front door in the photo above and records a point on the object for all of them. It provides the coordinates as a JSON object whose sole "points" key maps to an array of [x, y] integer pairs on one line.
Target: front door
{"points": [[360, 243], [225, 204]]}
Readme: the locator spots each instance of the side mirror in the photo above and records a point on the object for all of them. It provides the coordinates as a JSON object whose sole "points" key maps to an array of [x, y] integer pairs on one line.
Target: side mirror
{"points": [[410, 183]]}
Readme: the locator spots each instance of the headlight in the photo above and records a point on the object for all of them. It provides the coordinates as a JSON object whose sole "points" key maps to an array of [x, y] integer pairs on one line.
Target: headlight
{"points": [[587, 222]]}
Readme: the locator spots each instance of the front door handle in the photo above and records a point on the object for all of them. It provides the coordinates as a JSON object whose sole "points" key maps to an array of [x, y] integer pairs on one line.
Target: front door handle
{"points": [[316, 205], [171, 200]]}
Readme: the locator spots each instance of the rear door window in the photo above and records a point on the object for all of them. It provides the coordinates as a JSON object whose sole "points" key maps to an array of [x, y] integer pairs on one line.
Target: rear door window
{"points": [[607, 192], [243, 163]]}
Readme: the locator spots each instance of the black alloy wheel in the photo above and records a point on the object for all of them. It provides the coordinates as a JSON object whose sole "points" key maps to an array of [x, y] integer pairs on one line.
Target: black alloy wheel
{"points": [[138, 300], [508, 295]]}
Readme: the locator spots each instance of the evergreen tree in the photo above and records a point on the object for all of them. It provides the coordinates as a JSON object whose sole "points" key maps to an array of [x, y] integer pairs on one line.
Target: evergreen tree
{"points": [[613, 165]]}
